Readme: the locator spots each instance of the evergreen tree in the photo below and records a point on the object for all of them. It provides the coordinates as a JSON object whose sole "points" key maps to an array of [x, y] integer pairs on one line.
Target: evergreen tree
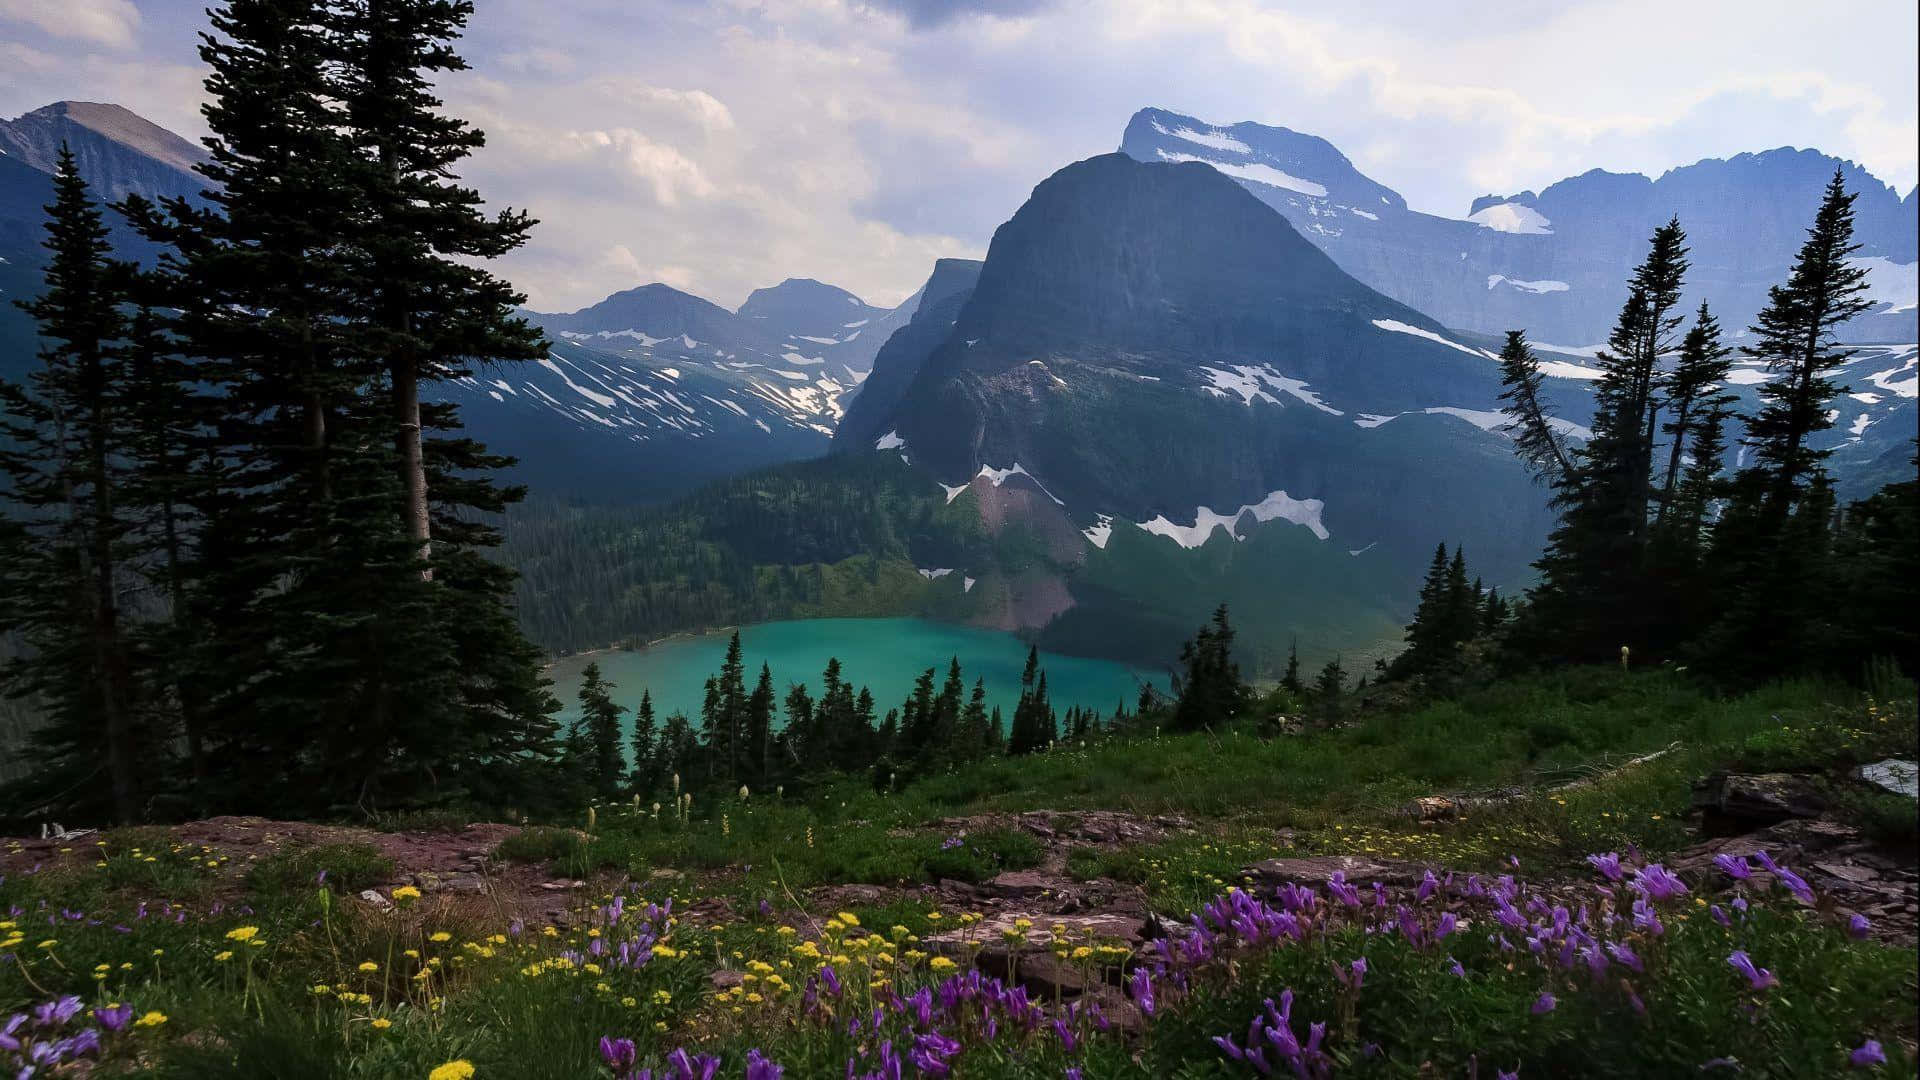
{"points": [[1795, 335], [600, 717], [800, 723], [63, 447], [1211, 693], [1426, 635], [643, 745], [1595, 593], [1328, 689], [1529, 417], [1878, 579], [1025, 735], [678, 750], [974, 736], [1770, 545], [759, 729], [1290, 681], [432, 307], [335, 267], [1695, 395], [1045, 724]]}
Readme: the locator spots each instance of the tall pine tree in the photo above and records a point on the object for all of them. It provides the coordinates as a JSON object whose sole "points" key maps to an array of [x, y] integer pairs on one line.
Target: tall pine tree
{"points": [[64, 442]]}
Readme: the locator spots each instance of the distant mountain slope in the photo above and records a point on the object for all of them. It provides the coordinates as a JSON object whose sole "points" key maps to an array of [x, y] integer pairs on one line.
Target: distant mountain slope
{"points": [[118, 152], [1554, 263], [645, 396], [931, 313], [592, 424], [767, 385], [844, 330]]}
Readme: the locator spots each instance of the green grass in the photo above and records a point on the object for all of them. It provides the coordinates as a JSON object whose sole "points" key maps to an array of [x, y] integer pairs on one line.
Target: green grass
{"points": [[158, 936], [349, 867]]}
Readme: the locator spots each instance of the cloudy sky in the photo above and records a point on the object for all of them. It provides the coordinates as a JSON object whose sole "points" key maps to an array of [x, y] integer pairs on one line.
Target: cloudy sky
{"points": [[726, 145]]}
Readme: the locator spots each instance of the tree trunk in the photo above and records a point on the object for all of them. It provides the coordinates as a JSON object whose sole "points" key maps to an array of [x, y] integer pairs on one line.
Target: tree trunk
{"points": [[406, 404], [115, 698]]}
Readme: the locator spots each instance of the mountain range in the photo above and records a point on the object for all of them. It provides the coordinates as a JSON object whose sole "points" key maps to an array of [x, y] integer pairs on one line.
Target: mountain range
{"points": [[645, 395], [1555, 262], [1221, 363]]}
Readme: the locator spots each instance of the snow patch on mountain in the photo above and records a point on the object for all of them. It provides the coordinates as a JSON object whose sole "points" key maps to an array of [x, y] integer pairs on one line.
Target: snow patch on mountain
{"points": [[1562, 369], [1512, 218], [1277, 505], [1399, 327], [1247, 381], [1535, 287], [1257, 172], [1216, 140], [890, 441], [998, 477], [1907, 387], [597, 398], [1100, 531]]}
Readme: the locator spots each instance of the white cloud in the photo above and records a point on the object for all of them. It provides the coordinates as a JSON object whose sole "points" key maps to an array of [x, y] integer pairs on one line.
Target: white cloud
{"points": [[726, 145], [112, 23]]}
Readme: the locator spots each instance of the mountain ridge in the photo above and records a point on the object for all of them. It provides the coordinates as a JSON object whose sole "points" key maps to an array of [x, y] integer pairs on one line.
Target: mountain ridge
{"points": [[1553, 261]]}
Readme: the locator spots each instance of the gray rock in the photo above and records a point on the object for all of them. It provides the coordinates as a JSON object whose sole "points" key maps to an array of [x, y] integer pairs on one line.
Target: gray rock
{"points": [[1316, 869], [1758, 797], [1892, 775]]}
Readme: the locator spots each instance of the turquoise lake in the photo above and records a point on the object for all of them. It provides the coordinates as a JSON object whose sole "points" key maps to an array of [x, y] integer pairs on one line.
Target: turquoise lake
{"points": [[885, 655]]}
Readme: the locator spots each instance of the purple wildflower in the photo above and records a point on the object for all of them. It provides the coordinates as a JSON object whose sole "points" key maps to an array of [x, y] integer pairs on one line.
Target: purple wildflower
{"points": [[1859, 926], [1735, 866], [1719, 916], [1608, 865], [1454, 966], [114, 1017], [617, 1053], [1758, 977], [1624, 955], [1545, 1003], [1069, 1041], [1141, 989], [1658, 883], [1868, 1055], [759, 1068]]}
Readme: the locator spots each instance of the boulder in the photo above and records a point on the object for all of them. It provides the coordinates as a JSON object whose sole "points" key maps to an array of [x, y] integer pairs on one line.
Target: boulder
{"points": [[1744, 800], [1894, 776], [1316, 869]]}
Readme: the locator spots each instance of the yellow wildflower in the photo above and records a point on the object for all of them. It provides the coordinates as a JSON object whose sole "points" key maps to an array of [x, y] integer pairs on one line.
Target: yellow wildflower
{"points": [[243, 933], [453, 1070], [381, 1023], [151, 1019], [369, 966]]}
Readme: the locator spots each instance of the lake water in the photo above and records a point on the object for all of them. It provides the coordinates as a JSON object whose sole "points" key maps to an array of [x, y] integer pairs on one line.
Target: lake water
{"points": [[885, 655]]}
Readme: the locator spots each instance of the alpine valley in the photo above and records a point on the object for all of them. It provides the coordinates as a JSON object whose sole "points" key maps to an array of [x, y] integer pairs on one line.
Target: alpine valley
{"points": [[1220, 364]]}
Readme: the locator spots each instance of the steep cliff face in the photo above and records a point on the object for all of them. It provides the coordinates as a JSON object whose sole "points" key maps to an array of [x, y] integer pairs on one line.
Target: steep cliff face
{"points": [[930, 321], [1155, 368]]}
